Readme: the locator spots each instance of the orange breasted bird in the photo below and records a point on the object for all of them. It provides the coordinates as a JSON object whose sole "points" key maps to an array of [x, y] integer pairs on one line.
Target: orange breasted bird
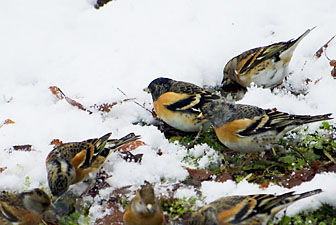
{"points": [[247, 128], [72, 162], [264, 66], [178, 103], [246, 210], [25, 208], [144, 208]]}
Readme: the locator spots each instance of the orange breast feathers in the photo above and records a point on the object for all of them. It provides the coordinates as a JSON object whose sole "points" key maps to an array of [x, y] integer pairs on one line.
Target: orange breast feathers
{"points": [[167, 99], [228, 131], [225, 216]]}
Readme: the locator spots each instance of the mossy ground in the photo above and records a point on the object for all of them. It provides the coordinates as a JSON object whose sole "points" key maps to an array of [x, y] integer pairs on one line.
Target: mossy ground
{"points": [[298, 157]]}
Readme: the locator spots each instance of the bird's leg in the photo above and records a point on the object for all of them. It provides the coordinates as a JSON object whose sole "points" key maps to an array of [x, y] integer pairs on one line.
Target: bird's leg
{"points": [[196, 138], [92, 182]]}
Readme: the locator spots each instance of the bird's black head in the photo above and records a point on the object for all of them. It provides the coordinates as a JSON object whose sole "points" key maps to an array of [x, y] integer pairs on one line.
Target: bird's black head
{"points": [[59, 184], [159, 86]]}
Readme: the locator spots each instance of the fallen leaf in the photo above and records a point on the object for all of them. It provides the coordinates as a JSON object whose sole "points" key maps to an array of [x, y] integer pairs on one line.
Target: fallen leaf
{"points": [[319, 52], [159, 152], [333, 72], [106, 107], [264, 185], [25, 148], [100, 3], [224, 177], [76, 104], [3, 169], [308, 81], [131, 146], [332, 62], [6, 122], [317, 81], [9, 121], [56, 142], [129, 157], [60, 95], [57, 92], [99, 184], [200, 174]]}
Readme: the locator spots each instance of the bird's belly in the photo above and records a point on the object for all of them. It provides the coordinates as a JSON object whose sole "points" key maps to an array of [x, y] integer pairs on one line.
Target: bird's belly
{"points": [[183, 121], [270, 78], [252, 143]]}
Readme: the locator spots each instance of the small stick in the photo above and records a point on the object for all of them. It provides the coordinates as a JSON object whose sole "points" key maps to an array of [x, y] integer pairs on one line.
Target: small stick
{"points": [[325, 47], [135, 101]]}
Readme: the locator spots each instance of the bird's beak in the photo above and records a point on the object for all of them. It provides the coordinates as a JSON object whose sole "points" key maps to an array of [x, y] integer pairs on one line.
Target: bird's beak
{"points": [[146, 90], [150, 208]]}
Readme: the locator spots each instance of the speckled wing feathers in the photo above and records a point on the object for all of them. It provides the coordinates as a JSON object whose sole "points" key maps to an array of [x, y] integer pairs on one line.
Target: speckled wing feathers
{"points": [[196, 97], [246, 210], [220, 112]]}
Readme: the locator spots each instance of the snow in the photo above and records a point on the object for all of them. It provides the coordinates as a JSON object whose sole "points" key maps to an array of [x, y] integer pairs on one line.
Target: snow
{"points": [[90, 53]]}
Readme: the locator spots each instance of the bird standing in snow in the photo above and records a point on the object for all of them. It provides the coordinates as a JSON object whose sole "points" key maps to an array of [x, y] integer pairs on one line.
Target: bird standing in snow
{"points": [[71, 162], [144, 208], [178, 103], [247, 128], [24, 208], [264, 66], [246, 210]]}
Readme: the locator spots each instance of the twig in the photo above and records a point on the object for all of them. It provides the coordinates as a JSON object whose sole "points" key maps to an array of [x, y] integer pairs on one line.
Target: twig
{"points": [[329, 156], [325, 47], [135, 101]]}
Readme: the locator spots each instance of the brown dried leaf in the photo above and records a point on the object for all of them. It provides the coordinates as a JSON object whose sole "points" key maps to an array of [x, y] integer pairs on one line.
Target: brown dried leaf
{"points": [[3, 169], [317, 81], [57, 92], [9, 121], [56, 142], [264, 185], [333, 72], [308, 80], [224, 177], [100, 3], [60, 95], [131, 146], [6, 122], [159, 152], [316, 165], [319, 52], [100, 183], [129, 157], [115, 218], [25, 148], [200, 174], [332, 62], [106, 107], [76, 104]]}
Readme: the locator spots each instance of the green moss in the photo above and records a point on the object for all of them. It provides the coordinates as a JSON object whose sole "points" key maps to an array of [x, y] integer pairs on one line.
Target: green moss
{"points": [[177, 207], [325, 215]]}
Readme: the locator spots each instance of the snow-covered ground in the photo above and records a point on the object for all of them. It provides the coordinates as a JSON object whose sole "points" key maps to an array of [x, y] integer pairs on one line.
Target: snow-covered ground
{"points": [[90, 53]]}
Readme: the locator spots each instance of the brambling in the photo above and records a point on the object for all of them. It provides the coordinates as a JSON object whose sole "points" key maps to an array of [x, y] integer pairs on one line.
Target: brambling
{"points": [[144, 208], [71, 162], [264, 66], [246, 210], [247, 128], [178, 103], [24, 208]]}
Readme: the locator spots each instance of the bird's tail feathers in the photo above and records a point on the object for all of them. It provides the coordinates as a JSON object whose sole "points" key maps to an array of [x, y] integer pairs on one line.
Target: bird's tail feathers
{"points": [[116, 143]]}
